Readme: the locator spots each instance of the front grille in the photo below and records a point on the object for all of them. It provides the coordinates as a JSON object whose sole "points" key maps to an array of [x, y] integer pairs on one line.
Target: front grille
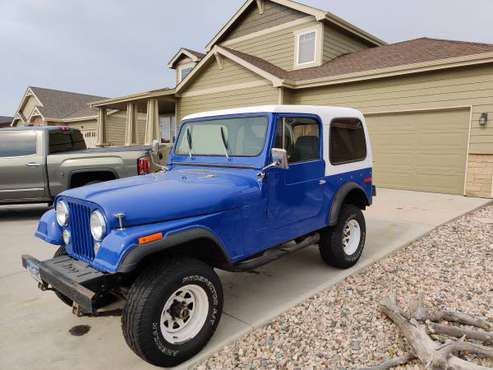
{"points": [[79, 223]]}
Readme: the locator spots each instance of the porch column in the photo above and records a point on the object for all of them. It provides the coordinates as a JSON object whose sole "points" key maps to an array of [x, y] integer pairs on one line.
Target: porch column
{"points": [[100, 139], [130, 128], [152, 122]]}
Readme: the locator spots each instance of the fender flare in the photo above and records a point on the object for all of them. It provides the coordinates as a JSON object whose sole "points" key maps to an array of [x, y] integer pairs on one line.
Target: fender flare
{"points": [[131, 260], [339, 200]]}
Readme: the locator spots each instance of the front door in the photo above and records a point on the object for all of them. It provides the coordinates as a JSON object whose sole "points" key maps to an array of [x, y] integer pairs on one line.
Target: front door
{"points": [[296, 195], [21, 167]]}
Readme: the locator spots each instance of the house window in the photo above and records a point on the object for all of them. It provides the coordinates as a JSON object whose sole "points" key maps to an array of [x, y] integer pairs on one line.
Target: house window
{"points": [[184, 70], [306, 47], [347, 141]]}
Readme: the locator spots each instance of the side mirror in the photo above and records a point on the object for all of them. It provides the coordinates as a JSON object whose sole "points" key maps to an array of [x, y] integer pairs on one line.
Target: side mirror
{"points": [[280, 157], [155, 147]]}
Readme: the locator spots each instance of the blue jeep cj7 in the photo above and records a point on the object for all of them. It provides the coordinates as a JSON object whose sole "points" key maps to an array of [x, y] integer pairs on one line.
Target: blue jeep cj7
{"points": [[243, 187]]}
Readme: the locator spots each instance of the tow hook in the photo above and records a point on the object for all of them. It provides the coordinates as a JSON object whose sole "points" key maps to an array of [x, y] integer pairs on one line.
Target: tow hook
{"points": [[76, 310], [43, 286]]}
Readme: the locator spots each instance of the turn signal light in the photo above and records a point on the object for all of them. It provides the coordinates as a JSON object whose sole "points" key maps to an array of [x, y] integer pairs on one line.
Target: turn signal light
{"points": [[150, 238]]}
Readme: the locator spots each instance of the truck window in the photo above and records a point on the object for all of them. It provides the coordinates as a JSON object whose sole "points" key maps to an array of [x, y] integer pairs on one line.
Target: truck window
{"points": [[17, 144], [301, 138], [347, 141], [66, 141]]}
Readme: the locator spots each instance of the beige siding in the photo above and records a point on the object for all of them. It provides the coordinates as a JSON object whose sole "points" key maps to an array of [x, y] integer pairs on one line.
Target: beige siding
{"points": [[273, 15], [114, 132], [276, 47], [83, 125], [224, 100], [423, 151], [465, 87], [212, 76], [337, 43], [140, 128], [29, 105]]}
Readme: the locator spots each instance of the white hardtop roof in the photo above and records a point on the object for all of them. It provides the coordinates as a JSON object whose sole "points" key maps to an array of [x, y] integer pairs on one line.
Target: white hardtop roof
{"points": [[308, 109]]}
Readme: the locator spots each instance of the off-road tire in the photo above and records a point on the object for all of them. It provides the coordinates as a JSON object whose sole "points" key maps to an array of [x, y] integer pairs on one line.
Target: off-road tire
{"points": [[62, 252], [331, 239], [146, 300]]}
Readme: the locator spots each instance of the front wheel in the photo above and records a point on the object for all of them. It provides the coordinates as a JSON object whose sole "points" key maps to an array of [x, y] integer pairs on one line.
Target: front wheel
{"points": [[172, 311], [341, 245]]}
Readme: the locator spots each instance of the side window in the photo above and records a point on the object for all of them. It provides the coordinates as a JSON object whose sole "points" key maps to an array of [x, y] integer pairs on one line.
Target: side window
{"points": [[66, 141], [17, 144], [301, 138], [347, 141]]}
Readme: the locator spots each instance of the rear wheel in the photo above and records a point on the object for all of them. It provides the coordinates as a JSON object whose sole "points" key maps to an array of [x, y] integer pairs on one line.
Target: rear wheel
{"points": [[341, 246], [62, 252], [172, 311]]}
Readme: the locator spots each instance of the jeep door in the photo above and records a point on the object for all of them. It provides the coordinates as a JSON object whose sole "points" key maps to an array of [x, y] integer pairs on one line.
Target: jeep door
{"points": [[22, 177], [296, 195]]}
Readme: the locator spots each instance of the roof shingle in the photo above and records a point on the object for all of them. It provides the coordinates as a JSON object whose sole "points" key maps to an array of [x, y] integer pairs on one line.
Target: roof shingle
{"points": [[393, 55], [64, 104]]}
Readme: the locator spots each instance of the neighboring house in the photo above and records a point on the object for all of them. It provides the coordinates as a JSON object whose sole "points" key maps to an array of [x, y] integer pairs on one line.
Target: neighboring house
{"points": [[40, 106], [426, 101], [5, 121]]}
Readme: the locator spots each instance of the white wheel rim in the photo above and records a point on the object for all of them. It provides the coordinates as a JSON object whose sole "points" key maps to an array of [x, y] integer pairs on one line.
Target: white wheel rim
{"points": [[351, 237], [184, 314]]}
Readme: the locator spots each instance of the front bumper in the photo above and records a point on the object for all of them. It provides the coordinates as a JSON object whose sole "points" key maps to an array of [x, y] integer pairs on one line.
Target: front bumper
{"points": [[76, 280]]}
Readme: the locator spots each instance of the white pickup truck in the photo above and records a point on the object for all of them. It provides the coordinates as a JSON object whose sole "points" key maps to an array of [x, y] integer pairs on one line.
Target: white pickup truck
{"points": [[37, 163]]}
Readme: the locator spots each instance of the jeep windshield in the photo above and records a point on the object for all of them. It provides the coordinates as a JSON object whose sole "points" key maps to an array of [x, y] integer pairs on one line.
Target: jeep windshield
{"points": [[230, 137]]}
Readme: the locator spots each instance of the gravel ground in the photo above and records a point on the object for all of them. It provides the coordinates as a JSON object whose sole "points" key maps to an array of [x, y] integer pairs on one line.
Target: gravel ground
{"points": [[342, 327]]}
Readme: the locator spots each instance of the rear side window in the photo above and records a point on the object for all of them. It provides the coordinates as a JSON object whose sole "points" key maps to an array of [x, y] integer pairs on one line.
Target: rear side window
{"points": [[17, 144], [347, 141], [66, 141]]}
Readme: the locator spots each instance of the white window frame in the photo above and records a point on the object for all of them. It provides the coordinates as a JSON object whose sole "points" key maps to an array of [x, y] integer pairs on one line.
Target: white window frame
{"points": [[181, 67], [317, 58]]}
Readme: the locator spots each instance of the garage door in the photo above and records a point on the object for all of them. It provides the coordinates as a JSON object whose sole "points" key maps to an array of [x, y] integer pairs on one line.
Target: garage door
{"points": [[422, 151]]}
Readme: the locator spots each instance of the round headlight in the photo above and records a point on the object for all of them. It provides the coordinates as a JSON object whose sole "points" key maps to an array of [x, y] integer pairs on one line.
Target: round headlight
{"points": [[62, 213], [98, 226]]}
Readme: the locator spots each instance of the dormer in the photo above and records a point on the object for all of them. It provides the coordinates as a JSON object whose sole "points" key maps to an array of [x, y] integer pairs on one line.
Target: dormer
{"points": [[184, 61], [290, 35]]}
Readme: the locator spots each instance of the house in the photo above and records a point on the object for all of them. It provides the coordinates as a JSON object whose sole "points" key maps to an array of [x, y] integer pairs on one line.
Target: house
{"points": [[426, 101], [5, 121], [41, 106]]}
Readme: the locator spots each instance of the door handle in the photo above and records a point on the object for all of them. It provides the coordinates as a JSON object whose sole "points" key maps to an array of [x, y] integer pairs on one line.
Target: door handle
{"points": [[33, 164], [322, 182]]}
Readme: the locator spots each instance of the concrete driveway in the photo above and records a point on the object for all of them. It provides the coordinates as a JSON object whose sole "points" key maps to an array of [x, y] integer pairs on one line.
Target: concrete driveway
{"points": [[34, 326]]}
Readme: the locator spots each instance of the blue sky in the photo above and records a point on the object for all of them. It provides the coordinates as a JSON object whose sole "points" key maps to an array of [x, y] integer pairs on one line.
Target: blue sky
{"points": [[116, 47]]}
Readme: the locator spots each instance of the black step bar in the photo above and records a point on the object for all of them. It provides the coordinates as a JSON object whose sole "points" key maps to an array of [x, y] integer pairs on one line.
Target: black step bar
{"points": [[275, 253]]}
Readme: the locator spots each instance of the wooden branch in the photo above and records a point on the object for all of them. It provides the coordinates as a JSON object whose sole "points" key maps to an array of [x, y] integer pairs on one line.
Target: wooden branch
{"points": [[389, 364], [454, 331], [430, 353], [457, 317], [416, 335]]}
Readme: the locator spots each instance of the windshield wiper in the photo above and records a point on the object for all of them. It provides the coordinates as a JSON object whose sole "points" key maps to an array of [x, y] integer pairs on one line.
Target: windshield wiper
{"points": [[225, 143], [189, 141]]}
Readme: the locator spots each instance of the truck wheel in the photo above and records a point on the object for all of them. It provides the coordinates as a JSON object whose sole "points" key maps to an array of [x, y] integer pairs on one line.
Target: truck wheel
{"points": [[341, 245], [172, 311], [62, 252]]}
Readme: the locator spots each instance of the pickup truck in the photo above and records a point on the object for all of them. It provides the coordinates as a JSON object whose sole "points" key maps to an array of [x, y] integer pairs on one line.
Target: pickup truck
{"points": [[243, 187], [37, 163]]}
